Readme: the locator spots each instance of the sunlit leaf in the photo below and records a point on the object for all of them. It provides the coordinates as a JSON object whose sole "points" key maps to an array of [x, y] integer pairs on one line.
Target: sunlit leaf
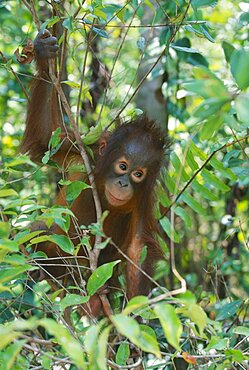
{"points": [[236, 355], [239, 67], [196, 314], [184, 49], [242, 107], [241, 330], [135, 303], [91, 340], [7, 193], [148, 341], [72, 84], [170, 322], [126, 326], [4, 230], [214, 181], [193, 203], [70, 345], [102, 348], [203, 191], [10, 274]]}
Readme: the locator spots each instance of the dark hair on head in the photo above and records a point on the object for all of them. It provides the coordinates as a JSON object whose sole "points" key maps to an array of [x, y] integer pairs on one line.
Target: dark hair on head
{"points": [[142, 127]]}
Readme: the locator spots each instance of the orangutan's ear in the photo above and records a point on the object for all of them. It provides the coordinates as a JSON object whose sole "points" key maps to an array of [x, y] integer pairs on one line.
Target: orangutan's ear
{"points": [[103, 142]]}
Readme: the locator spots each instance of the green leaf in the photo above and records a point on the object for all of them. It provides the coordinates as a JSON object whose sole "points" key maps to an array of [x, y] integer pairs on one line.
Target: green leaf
{"points": [[7, 193], [207, 108], [11, 354], [242, 108], [211, 179], [228, 50], [184, 49], [46, 157], [93, 135], [197, 151], [203, 191], [205, 32], [179, 211], [147, 341], [236, 355], [102, 348], [15, 260], [170, 322], [68, 23], [100, 276], [4, 230], [239, 67], [70, 345], [7, 335], [135, 303], [73, 85], [55, 138], [100, 32], [10, 274], [225, 172], [73, 300], [191, 161], [126, 326], [241, 330], [123, 354], [228, 310], [170, 183], [217, 343], [9, 245], [24, 237], [172, 234], [50, 22], [192, 203], [74, 189], [103, 244], [196, 314], [151, 6], [207, 87], [61, 240], [121, 14], [91, 340], [202, 3], [179, 167]]}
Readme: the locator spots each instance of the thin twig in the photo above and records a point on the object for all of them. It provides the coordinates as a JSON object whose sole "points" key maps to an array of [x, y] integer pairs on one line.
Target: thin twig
{"points": [[16, 76]]}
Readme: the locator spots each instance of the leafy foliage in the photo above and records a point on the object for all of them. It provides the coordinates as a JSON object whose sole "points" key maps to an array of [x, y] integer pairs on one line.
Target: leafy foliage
{"points": [[199, 52]]}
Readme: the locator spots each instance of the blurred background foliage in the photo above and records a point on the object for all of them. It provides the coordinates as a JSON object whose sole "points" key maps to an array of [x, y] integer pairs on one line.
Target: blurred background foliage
{"points": [[186, 65]]}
